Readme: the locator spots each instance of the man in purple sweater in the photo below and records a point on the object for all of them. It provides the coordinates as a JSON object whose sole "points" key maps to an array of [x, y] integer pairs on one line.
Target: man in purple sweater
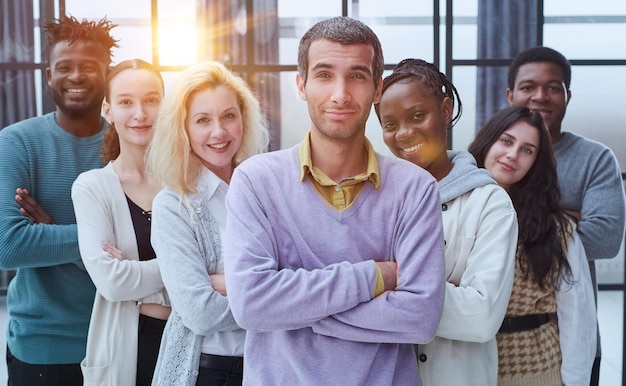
{"points": [[334, 259]]}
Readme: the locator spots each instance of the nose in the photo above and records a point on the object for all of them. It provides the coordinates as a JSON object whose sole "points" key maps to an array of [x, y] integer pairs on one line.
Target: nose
{"points": [[404, 132], [341, 94], [511, 153], [540, 94], [76, 75], [217, 129], [140, 113]]}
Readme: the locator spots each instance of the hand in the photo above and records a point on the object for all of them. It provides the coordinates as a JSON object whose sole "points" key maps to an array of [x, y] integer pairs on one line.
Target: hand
{"points": [[389, 269], [218, 283], [114, 252], [30, 207], [576, 216]]}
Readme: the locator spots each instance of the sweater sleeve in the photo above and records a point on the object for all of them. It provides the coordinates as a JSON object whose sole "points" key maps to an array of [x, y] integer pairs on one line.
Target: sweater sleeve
{"points": [[577, 319], [97, 218], [603, 208], [24, 244], [266, 297], [416, 304], [475, 306], [202, 309]]}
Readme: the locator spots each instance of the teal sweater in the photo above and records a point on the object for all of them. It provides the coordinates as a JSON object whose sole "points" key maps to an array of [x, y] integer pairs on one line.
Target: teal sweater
{"points": [[50, 299]]}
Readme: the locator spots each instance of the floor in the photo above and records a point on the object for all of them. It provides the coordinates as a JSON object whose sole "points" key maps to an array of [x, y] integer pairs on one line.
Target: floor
{"points": [[610, 314]]}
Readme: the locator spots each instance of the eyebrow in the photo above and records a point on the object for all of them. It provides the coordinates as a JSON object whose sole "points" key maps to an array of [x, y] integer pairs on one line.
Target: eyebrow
{"points": [[533, 81], [129, 93], [356, 67]]}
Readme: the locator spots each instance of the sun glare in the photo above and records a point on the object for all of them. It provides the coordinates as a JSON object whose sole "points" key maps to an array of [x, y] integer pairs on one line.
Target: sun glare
{"points": [[178, 45]]}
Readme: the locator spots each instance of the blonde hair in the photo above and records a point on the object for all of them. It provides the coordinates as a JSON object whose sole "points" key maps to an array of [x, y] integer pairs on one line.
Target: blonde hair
{"points": [[170, 157]]}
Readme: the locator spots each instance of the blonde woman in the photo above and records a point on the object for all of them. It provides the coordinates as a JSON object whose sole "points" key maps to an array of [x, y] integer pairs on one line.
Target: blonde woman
{"points": [[208, 124]]}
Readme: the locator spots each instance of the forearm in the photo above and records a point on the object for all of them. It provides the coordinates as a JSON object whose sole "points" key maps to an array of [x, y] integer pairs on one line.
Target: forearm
{"points": [[183, 266], [382, 320], [27, 245], [116, 279], [286, 299]]}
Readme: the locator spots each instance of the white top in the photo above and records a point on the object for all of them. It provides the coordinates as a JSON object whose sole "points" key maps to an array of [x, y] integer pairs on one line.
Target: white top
{"points": [[228, 343]]}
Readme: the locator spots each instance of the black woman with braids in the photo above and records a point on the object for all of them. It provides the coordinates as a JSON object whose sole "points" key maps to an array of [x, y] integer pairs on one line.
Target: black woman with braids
{"points": [[50, 299], [480, 226]]}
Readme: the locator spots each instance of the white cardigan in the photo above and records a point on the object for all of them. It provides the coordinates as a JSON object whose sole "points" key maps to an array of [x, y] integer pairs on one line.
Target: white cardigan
{"points": [[102, 214]]}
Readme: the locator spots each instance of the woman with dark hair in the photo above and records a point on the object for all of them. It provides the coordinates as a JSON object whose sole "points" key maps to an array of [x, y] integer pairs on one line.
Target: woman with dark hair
{"points": [[479, 225], [549, 334], [113, 215]]}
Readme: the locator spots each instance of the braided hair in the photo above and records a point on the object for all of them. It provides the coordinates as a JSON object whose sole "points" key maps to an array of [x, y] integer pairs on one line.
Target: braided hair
{"points": [[418, 70]]}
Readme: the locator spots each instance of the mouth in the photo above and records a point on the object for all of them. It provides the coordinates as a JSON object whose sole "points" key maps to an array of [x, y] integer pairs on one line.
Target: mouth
{"points": [[76, 90], [413, 149], [506, 166], [219, 145], [339, 114]]}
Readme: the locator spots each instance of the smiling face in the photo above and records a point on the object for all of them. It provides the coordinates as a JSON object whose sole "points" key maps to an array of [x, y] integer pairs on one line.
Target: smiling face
{"points": [[540, 86], [134, 96], [215, 126], [76, 77], [513, 154], [414, 123], [339, 89]]}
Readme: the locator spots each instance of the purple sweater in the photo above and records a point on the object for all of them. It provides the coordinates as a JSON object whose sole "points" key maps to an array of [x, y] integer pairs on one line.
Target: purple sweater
{"points": [[300, 274]]}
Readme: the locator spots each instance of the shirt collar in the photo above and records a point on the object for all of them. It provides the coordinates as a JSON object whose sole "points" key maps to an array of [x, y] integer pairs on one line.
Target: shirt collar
{"points": [[306, 165], [209, 183]]}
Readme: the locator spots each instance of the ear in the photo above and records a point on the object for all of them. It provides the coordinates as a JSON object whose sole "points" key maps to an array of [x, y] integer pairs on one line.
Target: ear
{"points": [[106, 111], [379, 91], [300, 85], [48, 75], [447, 107], [509, 96], [569, 97]]}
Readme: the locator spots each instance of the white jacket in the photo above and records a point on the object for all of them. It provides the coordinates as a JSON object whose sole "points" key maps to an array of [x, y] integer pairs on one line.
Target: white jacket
{"points": [[480, 231], [102, 214]]}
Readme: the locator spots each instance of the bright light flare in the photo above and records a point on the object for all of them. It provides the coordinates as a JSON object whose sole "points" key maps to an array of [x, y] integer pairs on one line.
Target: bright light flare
{"points": [[178, 44]]}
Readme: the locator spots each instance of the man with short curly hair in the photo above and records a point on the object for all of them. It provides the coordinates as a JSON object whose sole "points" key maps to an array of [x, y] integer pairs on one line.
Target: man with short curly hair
{"points": [[50, 298]]}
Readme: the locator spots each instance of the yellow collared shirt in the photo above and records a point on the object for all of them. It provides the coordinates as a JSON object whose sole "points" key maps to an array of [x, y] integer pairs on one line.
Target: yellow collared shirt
{"points": [[342, 194]]}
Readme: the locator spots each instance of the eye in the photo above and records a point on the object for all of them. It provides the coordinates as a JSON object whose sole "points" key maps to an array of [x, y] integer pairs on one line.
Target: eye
{"points": [[389, 126], [527, 150], [153, 101], [229, 115], [90, 68], [358, 76], [322, 75], [125, 102], [506, 141], [202, 120], [417, 116]]}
